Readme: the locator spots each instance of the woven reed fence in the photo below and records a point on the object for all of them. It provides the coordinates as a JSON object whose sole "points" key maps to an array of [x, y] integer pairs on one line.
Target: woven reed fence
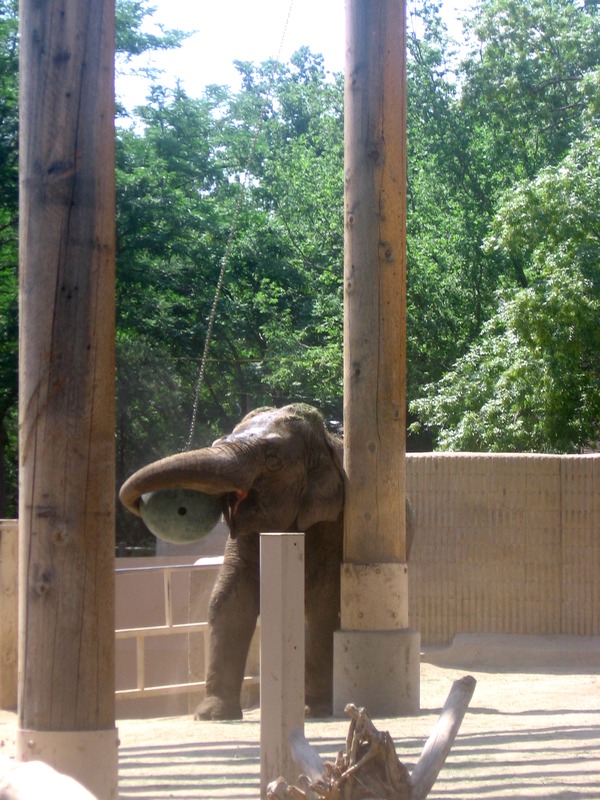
{"points": [[504, 544]]}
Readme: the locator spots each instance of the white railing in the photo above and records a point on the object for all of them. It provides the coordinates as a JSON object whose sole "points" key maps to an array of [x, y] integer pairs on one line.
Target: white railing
{"points": [[169, 628]]}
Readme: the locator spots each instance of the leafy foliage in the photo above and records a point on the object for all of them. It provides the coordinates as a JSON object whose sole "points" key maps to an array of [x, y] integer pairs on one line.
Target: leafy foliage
{"points": [[523, 108], [277, 336], [502, 238], [532, 379], [131, 39], [8, 254]]}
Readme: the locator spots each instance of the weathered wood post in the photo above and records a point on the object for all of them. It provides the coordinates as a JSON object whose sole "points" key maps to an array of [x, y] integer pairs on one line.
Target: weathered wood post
{"points": [[66, 711], [9, 615], [376, 655], [281, 652]]}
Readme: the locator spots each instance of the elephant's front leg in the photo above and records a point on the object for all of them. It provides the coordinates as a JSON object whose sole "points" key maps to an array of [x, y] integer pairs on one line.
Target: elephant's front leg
{"points": [[233, 611], [322, 619]]}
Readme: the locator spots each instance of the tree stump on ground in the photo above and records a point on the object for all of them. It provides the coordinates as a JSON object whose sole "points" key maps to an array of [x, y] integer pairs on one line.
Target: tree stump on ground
{"points": [[369, 768]]}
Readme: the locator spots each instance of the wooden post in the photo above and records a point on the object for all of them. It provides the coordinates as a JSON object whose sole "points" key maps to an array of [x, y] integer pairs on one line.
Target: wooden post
{"points": [[376, 654], [66, 710], [9, 615], [281, 652]]}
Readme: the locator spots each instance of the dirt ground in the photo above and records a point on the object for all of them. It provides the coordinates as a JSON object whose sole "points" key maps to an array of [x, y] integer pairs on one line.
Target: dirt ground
{"points": [[532, 730]]}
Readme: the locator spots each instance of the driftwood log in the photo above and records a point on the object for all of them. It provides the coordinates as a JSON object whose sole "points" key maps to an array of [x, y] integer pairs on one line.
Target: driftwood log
{"points": [[368, 768]]}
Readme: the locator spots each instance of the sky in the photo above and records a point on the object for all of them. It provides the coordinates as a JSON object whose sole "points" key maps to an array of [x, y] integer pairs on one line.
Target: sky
{"points": [[245, 30]]}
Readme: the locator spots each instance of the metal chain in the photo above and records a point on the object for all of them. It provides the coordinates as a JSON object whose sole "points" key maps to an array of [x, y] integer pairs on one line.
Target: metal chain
{"points": [[226, 255]]}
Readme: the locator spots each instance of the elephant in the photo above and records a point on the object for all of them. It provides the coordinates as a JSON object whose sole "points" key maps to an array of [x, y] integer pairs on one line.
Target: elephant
{"points": [[279, 470]]}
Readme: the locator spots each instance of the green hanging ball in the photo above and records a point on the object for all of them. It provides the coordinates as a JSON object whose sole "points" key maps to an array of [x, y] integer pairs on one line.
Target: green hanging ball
{"points": [[180, 515]]}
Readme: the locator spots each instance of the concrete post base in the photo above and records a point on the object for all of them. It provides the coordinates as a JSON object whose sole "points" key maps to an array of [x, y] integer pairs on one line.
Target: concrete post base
{"points": [[379, 670], [90, 757]]}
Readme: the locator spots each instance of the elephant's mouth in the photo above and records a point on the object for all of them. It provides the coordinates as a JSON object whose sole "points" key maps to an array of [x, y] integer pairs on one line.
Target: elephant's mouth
{"points": [[231, 505], [246, 513]]}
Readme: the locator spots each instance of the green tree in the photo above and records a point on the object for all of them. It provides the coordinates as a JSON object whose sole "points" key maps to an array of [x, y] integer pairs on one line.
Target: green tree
{"points": [[521, 106], [441, 248], [296, 234], [8, 253], [511, 107], [532, 380], [502, 292], [523, 82], [277, 336], [131, 39], [518, 107], [170, 238]]}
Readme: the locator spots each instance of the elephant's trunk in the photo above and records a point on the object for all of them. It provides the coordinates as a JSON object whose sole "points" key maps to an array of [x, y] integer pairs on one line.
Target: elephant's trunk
{"points": [[213, 470]]}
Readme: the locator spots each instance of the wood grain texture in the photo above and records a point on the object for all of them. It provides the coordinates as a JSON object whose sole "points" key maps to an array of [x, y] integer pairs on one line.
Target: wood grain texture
{"points": [[374, 281], [67, 251]]}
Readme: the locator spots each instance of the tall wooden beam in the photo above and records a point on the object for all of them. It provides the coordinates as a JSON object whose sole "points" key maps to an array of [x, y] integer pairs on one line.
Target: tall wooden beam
{"points": [[66, 706], [376, 654]]}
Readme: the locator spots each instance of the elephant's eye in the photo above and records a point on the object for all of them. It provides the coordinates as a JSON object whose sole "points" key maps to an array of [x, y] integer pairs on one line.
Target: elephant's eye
{"points": [[272, 459]]}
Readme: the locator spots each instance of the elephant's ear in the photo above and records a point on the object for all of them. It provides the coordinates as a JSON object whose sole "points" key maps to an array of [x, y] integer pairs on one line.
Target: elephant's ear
{"points": [[323, 497]]}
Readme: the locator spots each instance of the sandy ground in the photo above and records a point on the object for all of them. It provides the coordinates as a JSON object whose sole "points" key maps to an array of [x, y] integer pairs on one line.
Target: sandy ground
{"points": [[532, 730]]}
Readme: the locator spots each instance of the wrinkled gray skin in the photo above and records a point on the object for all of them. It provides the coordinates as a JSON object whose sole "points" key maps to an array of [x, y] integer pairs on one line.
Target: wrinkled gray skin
{"points": [[279, 470]]}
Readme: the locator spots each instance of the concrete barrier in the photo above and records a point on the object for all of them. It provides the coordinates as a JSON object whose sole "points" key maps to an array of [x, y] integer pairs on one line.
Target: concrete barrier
{"points": [[504, 543]]}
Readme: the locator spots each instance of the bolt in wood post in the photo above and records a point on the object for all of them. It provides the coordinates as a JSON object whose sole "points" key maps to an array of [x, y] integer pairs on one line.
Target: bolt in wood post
{"points": [[376, 654], [66, 705]]}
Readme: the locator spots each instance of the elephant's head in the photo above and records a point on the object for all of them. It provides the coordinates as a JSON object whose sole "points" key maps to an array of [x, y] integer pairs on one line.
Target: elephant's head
{"points": [[279, 470]]}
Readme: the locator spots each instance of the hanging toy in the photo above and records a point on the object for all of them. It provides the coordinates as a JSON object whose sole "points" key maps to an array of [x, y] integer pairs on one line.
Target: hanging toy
{"points": [[180, 516]]}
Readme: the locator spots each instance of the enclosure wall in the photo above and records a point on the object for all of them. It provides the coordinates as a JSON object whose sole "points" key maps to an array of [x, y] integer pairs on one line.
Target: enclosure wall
{"points": [[504, 544]]}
